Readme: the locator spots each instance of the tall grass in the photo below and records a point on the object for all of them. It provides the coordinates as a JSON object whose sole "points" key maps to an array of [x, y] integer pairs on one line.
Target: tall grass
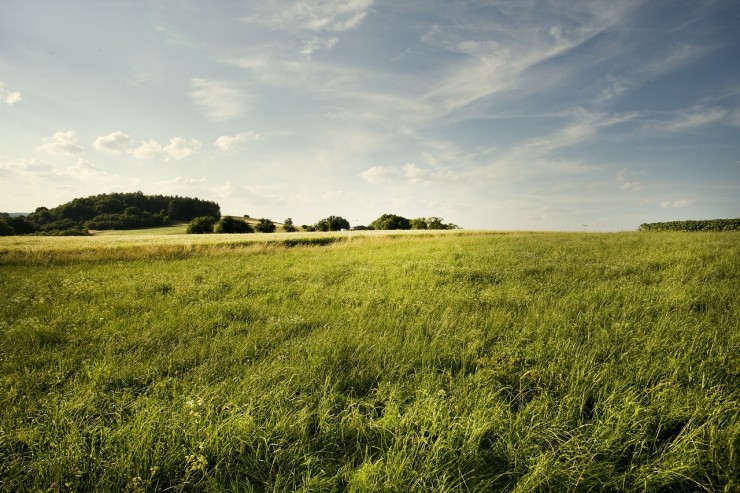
{"points": [[457, 362]]}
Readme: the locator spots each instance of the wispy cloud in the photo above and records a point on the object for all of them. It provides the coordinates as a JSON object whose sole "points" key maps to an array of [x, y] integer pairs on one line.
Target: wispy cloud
{"points": [[314, 15], [625, 182], [692, 118], [86, 170], [30, 166], [219, 100], [315, 44], [409, 173], [62, 143], [677, 204], [7, 96]]}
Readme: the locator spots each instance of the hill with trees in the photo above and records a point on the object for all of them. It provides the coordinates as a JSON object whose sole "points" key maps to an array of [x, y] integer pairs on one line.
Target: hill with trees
{"points": [[109, 211]]}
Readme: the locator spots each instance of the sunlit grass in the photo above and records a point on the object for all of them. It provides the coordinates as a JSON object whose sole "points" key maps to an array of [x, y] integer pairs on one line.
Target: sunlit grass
{"points": [[451, 362]]}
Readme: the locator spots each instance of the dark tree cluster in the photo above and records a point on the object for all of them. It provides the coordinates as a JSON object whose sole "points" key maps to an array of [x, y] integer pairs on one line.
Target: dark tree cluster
{"points": [[393, 221], [694, 225], [225, 225], [109, 211]]}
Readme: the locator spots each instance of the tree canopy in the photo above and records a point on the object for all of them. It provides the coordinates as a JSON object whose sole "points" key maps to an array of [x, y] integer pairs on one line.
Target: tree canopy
{"points": [[391, 221], [113, 211], [332, 223]]}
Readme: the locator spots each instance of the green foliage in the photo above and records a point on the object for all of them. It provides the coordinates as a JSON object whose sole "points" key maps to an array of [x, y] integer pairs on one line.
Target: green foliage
{"points": [[391, 221], [700, 225], [229, 224], [458, 362], [201, 225], [418, 223], [288, 226], [20, 225], [119, 211], [431, 223], [264, 225], [5, 228], [332, 223]]}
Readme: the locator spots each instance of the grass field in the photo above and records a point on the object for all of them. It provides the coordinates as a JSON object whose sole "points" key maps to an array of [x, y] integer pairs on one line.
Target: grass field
{"points": [[459, 361]]}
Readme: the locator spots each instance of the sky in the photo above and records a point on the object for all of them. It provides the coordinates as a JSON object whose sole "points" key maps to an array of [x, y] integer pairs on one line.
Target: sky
{"points": [[567, 115]]}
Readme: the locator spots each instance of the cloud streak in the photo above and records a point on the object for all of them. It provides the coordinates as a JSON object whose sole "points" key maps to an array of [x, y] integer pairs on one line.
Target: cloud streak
{"points": [[313, 15]]}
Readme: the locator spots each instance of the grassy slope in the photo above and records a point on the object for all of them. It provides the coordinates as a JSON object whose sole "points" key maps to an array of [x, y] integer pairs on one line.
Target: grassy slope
{"points": [[515, 362]]}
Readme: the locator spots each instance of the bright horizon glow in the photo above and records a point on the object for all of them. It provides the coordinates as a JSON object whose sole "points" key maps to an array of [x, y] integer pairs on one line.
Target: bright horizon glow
{"points": [[490, 114]]}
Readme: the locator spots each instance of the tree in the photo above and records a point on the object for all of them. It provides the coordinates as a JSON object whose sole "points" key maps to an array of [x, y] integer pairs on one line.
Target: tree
{"points": [[265, 226], [6, 229], [201, 225], [229, 224], [288, 226], [391, 221], [21, 225], [419, 223], [332, 223]]}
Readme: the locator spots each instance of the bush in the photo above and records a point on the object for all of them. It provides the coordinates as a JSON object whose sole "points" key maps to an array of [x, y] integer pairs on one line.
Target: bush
{"points": [[265, 226], [201, 225], [288, 226], [229, 224]]}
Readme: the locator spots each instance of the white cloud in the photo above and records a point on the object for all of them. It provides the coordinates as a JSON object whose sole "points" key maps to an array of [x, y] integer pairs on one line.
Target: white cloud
{"points": [[315, 44], [314, 15], [115, 143], [219, 100], [7, 96], [226, 142], [676, 204], [691, 118], [180, 148], [30, 166], [409, 172], [119, 142], [623, 180], [85, 170], [379, 174], [62, 143], [415, 174]]}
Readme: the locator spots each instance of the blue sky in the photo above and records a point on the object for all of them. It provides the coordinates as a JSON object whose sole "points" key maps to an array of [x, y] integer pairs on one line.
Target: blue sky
{"points": [[537, 115]]}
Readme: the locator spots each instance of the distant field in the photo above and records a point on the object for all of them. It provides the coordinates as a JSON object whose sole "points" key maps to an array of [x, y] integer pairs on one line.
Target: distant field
{"points": [[172, 229], [452, 361]]}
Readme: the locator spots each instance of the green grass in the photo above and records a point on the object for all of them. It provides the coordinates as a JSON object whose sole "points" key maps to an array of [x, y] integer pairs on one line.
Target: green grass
{"points": [[518, 362], [177, 228]]}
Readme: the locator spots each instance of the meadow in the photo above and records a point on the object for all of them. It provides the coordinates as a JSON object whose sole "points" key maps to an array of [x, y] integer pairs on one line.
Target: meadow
{"points": [[448, 362]]}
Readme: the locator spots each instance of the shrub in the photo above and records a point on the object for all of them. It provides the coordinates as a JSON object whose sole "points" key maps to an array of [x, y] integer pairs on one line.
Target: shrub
{"points": [[201, 225], [264, 225], [229, 224], [288, 226]]}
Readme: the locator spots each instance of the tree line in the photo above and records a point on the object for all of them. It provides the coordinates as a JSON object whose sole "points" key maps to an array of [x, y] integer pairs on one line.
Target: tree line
{"points": [[230, 224], [693, 225], [108, 211]]}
